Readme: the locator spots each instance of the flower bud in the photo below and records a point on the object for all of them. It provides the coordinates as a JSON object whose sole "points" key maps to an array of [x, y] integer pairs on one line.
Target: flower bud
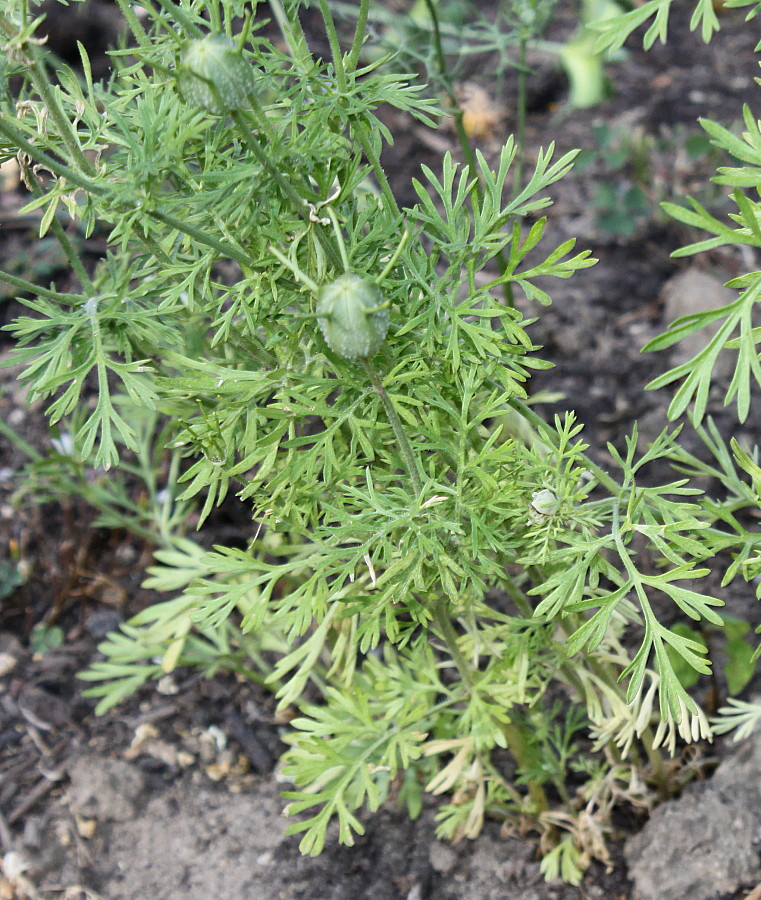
{"points": [[349, 318], [212, 74]]}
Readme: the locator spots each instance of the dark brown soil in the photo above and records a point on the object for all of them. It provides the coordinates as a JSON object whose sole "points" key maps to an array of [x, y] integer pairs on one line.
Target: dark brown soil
{"points": [[184, 783]]}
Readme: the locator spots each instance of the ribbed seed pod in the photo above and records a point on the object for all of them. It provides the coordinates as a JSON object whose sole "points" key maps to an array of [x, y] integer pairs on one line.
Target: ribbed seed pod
{"points": [[351, 323], [213, 75]]}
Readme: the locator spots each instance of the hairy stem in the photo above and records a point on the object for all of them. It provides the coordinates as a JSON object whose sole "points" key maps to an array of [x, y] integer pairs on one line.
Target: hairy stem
{"points": [[362, 135], [413, 469], [29, 287], [359, 36], [462, 135], [135, 25], [335, 47], [36, 73], [298, 203], [293, 35], [549, 434], [521, 104], [63, 239]]}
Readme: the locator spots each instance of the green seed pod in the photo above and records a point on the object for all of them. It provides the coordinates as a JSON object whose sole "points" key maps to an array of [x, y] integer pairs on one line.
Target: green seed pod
{"points": [[350, 321], [212, 74]]}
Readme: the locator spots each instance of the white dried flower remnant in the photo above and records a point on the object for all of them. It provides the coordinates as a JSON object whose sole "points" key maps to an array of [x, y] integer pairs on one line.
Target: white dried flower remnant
{"points": [[543, 505]]}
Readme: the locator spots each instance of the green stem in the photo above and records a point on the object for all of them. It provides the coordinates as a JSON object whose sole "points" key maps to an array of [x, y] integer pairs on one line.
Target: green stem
{"points": [[263, 121], [522, 88], [339, 238], [446, 629], [134, 24], [28, 286], [457, 111], [335, 47], [518, 598], [291, 266], [359, 36], [226, 250], [155, 249], [515, 735], [264, 160], [293, 35], [408, 455], [392, 262], [656, 761], [463, 138], [549, 433], [297, 202], [364, 139], [63, 239]]}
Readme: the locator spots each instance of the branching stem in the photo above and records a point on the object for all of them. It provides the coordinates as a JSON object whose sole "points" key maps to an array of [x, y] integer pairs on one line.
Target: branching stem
{"points": [[515, 736], [297, 202]]}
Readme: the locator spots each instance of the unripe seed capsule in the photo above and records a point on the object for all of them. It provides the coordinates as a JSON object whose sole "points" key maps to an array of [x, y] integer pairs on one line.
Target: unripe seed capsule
{"points": [[349, 318], [212, 74]]}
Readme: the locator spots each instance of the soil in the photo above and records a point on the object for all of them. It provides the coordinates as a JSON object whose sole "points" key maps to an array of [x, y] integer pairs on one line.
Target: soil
{"points": [[175, 794]]}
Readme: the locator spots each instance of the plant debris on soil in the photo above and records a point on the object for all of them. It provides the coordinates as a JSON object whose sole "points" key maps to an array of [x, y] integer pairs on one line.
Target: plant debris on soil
{"points": [[176, 793]]}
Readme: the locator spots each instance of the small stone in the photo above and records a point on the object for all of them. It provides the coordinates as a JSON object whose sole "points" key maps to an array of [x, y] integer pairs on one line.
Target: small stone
{"points": [[100, 621], [9, 643], [688, 293], [167, 686], [215, 733], [42, 709], [85, 827], [7, 663], [105, 789], [442, 858], [144, 733], [14, 865], [217, 771]]}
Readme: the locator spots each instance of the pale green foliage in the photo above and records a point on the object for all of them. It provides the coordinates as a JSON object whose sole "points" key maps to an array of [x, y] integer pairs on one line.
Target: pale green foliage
{"points": [[614, 31], [426, 555], [738, 315]]}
